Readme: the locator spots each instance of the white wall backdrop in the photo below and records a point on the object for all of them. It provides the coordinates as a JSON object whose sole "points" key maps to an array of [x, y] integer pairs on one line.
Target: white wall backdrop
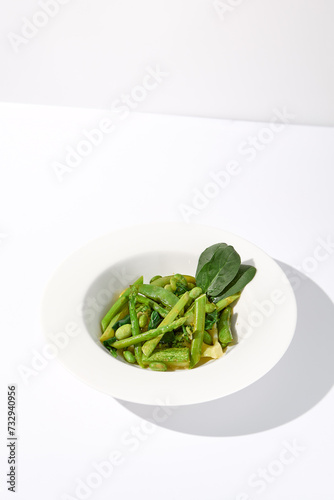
{"points": [[237, 59]]}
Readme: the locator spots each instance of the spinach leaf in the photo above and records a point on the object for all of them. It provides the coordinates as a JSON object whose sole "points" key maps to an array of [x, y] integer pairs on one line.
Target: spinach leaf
{"points": [[243, 277], [112, 351], [108, 344], [180, 288], [175, 339], [207, 255], [210, 320], [168, 338], [219, 271], [155, 320]]}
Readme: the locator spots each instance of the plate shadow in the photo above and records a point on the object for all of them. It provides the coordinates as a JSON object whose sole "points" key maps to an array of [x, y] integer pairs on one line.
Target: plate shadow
{"points": [[296, 384]]}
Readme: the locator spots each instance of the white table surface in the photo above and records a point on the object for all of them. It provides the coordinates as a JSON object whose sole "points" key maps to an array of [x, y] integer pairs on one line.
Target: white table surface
{"points": [[281, 200]]}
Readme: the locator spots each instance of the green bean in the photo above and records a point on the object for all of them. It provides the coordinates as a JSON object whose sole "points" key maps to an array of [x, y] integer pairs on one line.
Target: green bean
{"points": [[150, 334], [158, 276], [154, 305], [227, 301], [207, 339], [123, 332], [224, 327], [129, 357], [158, 366], [153, 292], [115, 308], [149, 347], [172, 355], [135, 324], [197, 340]]}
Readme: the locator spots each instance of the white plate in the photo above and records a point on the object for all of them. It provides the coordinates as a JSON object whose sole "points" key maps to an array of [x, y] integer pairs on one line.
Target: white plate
{"points": [[80, 292]]}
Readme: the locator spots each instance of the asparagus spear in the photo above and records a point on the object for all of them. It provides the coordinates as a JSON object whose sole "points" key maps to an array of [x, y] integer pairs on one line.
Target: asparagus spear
{"points": [[226, 302], [118, 305], [164, 296], [154, 305], [110, 330], [197, 340], [135, 324]]}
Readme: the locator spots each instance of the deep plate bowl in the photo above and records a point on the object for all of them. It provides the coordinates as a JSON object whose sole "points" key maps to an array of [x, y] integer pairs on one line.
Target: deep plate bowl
{"points": [[82, 288]]}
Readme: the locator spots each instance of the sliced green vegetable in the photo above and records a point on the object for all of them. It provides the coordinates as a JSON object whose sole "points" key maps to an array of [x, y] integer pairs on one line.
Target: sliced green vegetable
{"points": [[173, 355]]}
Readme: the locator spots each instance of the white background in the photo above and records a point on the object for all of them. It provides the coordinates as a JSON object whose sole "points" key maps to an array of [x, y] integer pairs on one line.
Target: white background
{"points": [[281, 201], [239, 61], [254, 62]]}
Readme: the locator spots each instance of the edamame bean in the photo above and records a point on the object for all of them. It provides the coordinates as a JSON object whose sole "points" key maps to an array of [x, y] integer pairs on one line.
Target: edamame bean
{"points": [[173, 283], [158, 366], [195, 292], [210, 307], [129, 357], [142, 320], [123, 332]]}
